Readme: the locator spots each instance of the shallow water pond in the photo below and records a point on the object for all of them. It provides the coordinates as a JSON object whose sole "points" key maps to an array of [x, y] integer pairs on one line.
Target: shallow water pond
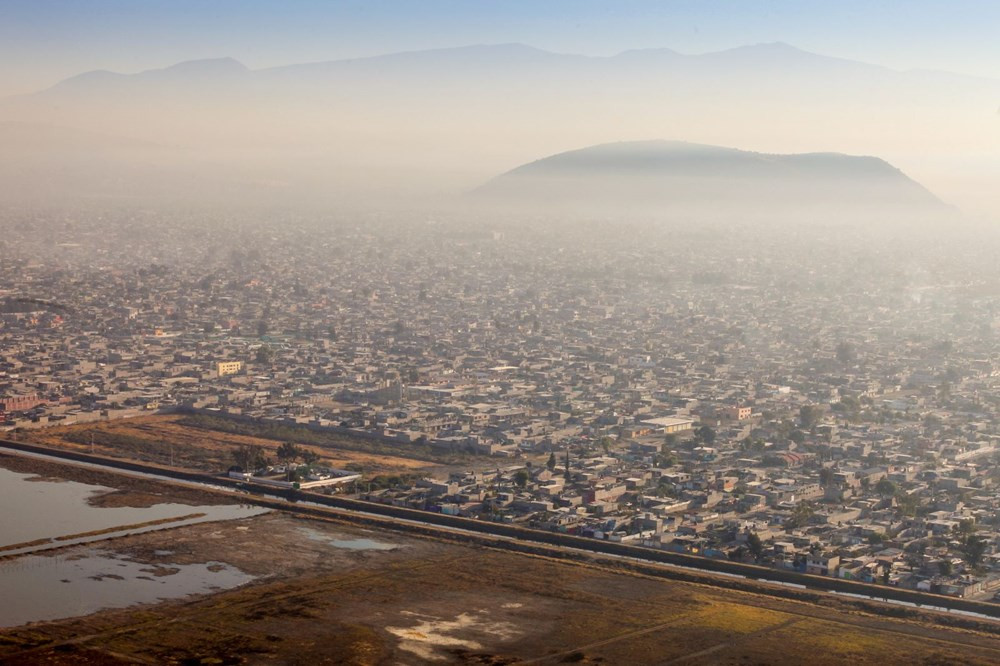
{"points": [[36, 511], [81, 582], [347, 542]]}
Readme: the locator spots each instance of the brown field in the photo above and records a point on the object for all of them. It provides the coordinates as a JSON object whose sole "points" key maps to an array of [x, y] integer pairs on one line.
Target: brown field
{"points": [[436, 600], [430, 601], [162, 439]]}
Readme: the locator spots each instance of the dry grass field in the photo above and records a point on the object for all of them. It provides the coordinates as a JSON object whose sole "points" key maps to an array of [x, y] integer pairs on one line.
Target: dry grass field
{"points": [[432, 602], [167, 439], [429, 601], [323, 595]]}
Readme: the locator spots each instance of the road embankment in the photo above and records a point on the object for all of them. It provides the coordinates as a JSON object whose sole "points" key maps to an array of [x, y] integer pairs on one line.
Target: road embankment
{"points": [[691, 568]]}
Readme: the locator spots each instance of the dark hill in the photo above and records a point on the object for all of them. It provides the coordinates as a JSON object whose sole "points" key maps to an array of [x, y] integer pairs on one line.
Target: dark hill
{"points": [[682, 176]]}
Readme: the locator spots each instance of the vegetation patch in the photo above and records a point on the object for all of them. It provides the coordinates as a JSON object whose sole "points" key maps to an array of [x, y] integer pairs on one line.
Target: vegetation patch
{"points": [[325, 439]]}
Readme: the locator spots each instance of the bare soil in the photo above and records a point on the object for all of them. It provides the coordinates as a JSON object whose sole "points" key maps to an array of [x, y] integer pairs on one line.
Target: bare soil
{"points": [[428, 600], [163, 439], [434, 602]]}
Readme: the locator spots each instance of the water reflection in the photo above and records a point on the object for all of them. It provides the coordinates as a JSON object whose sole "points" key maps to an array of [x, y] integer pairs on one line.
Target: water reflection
{"points": [[69, 585], [340, 541], [50, 509]]}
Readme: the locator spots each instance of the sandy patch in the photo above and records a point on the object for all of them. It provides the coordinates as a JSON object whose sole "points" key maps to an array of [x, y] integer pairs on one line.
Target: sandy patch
{"points": [[430, 634]]}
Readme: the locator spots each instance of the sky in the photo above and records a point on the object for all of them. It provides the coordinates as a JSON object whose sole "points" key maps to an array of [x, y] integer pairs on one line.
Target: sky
{"points": [[45, 41]]}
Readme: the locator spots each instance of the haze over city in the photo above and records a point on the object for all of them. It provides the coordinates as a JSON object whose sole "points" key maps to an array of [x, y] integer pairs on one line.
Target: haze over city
{"points": [[422, 120], [499, 332]]}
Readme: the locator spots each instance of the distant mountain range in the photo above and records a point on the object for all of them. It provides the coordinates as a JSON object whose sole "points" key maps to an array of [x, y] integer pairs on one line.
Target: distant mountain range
{"points": [[664, 176], [444, 120]]}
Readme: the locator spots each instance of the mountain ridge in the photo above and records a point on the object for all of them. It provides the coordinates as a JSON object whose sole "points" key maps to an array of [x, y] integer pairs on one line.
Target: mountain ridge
{"points": [[446, 119], [231, 65]]}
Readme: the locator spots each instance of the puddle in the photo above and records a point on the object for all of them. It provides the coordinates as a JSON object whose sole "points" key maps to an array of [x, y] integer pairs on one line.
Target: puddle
{"points": [[53, 513], [56, 587], [342, 541]]}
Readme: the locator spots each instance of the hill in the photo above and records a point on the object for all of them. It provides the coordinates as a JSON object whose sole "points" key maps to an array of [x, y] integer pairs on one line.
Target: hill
{"points": [[673, 176], [443, 120]]}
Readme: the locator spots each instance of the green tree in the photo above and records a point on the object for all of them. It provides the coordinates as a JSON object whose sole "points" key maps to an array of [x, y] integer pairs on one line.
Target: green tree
{"points": [[809, 416], [906, 504], [310, 458], [249, 457], [551, 463], [755, 546], [521, 478], [705, 434], [973, 548], [666, 460], [966, 526], [845, 352], [264, 355], [885, 488], [825, 476], [288, 453], [849, 404], [800, 515], [944, 390]]}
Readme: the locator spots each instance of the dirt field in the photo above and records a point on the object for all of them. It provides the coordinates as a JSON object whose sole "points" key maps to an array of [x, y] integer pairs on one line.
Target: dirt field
{"points": [[163, 439], [322, 594], [428, 601]]}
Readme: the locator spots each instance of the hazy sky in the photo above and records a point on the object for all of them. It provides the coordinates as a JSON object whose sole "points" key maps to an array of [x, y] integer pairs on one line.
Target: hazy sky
{"points": [[44, 41]]}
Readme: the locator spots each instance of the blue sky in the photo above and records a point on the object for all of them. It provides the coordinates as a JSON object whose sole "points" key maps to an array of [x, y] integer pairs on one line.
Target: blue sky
{"points": [[44, 41]]}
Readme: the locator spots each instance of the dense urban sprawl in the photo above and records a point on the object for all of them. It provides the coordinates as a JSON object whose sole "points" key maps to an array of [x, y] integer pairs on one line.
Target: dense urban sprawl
{"points": [[828, 406]]}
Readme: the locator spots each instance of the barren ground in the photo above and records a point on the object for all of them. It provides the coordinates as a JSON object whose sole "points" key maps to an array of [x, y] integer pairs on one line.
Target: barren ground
{"points": [[429, 600], [163, 439]]}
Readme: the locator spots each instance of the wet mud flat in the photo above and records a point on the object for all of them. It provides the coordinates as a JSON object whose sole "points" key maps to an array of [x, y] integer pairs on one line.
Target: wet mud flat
{"points": [[88, 580], [153, 575], [279, 588], [154, 567], [323, 591], [47, 512]]}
